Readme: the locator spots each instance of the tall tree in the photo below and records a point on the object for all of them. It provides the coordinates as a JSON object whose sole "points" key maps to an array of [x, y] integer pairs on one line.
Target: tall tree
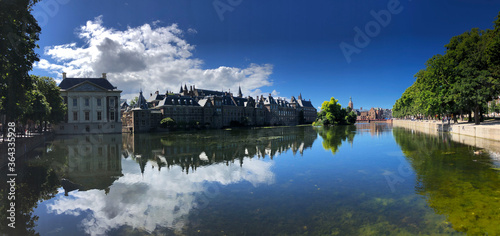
{"points": [[19, 32], [48, 95]]}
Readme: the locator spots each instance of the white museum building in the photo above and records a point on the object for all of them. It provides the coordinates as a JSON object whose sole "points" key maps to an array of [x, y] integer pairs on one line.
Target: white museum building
{"points": [[93, 106]]}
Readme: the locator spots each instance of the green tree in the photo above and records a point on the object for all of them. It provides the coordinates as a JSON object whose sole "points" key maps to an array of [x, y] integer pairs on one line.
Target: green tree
{"points": [[167, 122], [464, 79], [48, 88], [332, 113], [19, 32], [134, 101]]}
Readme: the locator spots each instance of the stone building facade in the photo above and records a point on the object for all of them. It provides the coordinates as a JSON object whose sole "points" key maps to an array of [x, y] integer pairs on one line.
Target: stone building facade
{"points": [[215, 109], [93, 106]]}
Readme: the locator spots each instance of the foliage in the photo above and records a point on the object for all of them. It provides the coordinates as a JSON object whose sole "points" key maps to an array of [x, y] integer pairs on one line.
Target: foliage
{"points": [[333, 137], [134, 101], [19, 32], [333, 114], [44, 101], [494, 107], [456, 182], [463, 80], [167, 122]]}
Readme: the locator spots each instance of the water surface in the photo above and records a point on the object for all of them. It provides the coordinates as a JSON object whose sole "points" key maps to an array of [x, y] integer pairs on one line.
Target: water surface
{"points": [[368, 179]]}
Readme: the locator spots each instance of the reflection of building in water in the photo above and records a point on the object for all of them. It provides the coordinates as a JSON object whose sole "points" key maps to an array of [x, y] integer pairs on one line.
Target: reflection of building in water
{"points": [[94, 161], [375, 129], [191, 150]]}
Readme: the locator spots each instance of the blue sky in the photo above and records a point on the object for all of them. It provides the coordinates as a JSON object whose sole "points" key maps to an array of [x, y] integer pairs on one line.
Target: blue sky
{"points": [[279, 47]]}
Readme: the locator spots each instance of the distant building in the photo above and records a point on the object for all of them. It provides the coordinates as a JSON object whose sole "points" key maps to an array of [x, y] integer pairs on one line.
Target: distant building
{"points": [[93, 106], [216, 109], [374, 114], [351, 105]]}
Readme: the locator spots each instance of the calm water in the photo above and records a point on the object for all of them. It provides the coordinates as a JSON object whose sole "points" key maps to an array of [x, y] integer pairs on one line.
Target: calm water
{"points": [[357, 180]]}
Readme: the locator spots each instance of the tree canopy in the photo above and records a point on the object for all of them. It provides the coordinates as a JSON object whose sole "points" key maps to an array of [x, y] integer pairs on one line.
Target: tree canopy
{"points": [[19, 32], [462, 80], [332, 113]]}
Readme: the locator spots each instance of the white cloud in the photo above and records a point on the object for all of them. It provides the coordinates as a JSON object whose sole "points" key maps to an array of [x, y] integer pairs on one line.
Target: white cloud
{"points": [[156, 198], [148, 57]]}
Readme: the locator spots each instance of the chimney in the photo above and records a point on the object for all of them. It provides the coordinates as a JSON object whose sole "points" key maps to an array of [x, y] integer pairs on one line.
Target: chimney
{"points": [[104, 75], [157, 92], [64, 75]]}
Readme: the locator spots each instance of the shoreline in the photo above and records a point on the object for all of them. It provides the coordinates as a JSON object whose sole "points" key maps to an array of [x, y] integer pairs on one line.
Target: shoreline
{"points": [[485, 135]]}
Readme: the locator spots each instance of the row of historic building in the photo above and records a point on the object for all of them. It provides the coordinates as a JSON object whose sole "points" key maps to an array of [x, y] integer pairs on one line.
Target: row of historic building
{"points": [[215, 109], [94, 107], [372, 114]]}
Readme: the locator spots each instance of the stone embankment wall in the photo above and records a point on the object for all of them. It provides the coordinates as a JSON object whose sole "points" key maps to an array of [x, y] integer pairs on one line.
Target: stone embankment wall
{"points": [[485, 136], [485, 131], [23, 146], [426, 126]]}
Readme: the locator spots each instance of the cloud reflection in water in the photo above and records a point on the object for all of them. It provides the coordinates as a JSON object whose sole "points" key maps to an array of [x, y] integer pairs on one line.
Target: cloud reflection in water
{"points": [[156, 198]]}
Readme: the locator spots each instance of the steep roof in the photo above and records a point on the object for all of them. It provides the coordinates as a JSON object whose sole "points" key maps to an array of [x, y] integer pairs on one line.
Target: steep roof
{"points": [[71, 82], [304, 103], [205, 92], [156, 97], [178, 100]]}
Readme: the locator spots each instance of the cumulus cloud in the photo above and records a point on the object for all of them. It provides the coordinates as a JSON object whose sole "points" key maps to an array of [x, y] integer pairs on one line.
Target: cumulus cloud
{"points": [[148, 57], [156, 198]]}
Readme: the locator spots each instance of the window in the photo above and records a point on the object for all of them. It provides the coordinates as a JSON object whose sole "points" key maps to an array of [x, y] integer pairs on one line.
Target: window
{"points": [[112, 116], [75, 102], [87, 102], [75, 115], [98, 102], [87, 115], [111, 102], [99, 115], [75, 127]]}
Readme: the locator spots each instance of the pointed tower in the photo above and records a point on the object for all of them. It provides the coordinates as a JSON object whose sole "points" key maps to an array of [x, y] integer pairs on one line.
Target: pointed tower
{"points": [[239, 92], [350, 103], [300, 96]]}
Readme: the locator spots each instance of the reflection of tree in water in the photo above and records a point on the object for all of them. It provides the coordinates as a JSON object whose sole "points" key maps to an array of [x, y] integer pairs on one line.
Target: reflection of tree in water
{"points": [[334, 136], [193, 149], [36, 181], [87, 161], [457, 183]]}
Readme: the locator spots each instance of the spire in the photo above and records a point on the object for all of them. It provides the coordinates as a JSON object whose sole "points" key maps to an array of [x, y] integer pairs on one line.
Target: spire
{"points": [[350, 103], [239, 92], [185, 88], [180, 91], [300, 96]]}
